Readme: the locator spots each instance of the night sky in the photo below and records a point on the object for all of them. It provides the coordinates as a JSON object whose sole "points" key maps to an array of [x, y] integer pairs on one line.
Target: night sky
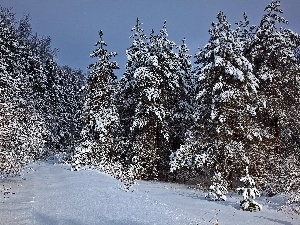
{"points": [[73, 25]]}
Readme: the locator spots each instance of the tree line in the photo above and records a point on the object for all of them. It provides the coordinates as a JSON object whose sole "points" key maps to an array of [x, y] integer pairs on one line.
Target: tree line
{"points": [[40, 101], [168, 118]]}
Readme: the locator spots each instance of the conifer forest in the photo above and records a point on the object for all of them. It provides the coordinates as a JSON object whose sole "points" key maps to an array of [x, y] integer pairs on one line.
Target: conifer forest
{"points": [[227, 116]]}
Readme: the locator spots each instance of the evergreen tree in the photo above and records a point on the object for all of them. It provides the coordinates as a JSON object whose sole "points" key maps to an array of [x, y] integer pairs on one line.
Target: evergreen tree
{"points": [[69, 102], [218, 189], [137, 57], [273, 57], [149, 128], [29, 118], [22, 128], [181, 104], [161, 85], [249, 192], [8, 45], [236, 117], [182, 120], [100, 117], [226, 88]]}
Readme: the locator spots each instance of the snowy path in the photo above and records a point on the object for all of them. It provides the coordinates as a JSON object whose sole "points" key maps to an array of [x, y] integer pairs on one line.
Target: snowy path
{"points": [[52, 194]]}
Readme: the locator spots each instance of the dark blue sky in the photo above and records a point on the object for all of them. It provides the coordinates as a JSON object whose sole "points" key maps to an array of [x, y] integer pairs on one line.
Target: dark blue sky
{"points": [[73, 25]]}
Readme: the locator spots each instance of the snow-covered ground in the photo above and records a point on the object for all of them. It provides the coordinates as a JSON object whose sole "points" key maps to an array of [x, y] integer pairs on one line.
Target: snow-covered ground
{"points": [[49, 193]]}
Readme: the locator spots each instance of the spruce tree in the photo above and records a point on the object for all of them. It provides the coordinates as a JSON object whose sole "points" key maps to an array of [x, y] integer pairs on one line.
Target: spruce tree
{"points": [[128, 91], [100, 117], [34, 105], [227, 86], [218, 189], [21, 127], [181, 105], [162, 84], [249, 192], [272, 53]]}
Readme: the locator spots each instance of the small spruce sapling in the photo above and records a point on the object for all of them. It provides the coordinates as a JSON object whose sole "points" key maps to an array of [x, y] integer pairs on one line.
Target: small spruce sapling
{"points": [[218, 189], [249, 192]]}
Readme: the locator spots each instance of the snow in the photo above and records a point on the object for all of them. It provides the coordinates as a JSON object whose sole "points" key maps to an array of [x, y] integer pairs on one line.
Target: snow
{"points": [[49, 193]]}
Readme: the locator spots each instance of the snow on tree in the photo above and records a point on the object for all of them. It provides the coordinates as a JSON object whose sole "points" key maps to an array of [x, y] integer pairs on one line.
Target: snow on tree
{"points": [[181, 107], [21, 127], [54, 91], [68, 96], [100, 116], [289, 177], [246, 107], [149, 127], [28, 95], [188, 161], [225, 108], [245, 102], [297, 54], [272, 53], [127, 96], [249, 192], [253, 112], [245, 32], [158, 82], [218, 189]]}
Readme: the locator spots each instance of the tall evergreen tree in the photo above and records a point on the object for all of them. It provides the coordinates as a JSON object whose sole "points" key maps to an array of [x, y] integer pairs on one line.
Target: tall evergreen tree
{"points": [[155, 92], [100, 116], [69, 101], [272, 53], [162, 83], [181, 104], [137, 57], [226, 88]]}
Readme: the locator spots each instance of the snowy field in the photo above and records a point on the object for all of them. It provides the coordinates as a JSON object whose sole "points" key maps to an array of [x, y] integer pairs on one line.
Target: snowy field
{"points": [[49, 193]]}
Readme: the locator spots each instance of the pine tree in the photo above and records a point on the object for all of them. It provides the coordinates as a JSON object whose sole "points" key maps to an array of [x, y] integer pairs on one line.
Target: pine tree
{"points": [[249, 192], [273, 57], [21, 126], [161, 85], [226, 88], [245, 32], [127, 96], [181, 104], [100, 117], [8, 45], [149, 117], [235, 116], [218, 189], [31, 116], [182, 120], [69, 98]]}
